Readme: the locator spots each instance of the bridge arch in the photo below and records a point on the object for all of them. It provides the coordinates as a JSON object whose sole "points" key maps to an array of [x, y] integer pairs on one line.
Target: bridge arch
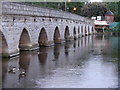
{"points": [[57, 39], [3, 46], [92, 30], [43, 38], [25, 42], [88, 30], [82, 30], [85, 31], [67, 33], [74, 33]]}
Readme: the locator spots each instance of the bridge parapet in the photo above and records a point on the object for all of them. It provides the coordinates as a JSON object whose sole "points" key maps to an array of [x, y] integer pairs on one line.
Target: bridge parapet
{"points": [[12, 8]]}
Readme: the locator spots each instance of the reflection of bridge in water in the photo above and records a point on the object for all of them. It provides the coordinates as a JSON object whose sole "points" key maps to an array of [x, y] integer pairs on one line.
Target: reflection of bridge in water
{"points": [[42, 65], [26, 27]]}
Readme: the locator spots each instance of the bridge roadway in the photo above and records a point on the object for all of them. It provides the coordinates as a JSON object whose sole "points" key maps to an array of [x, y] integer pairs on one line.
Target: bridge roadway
{"points": [[28, 27]]}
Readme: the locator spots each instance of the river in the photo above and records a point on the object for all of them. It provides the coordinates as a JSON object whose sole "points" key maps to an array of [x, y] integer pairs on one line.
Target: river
{"points": [[89, 62]]}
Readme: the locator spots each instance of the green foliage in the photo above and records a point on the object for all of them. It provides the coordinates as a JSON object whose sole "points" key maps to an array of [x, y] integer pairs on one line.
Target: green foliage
{"points": [[61, 6], [77, 5], [55, 5], [94, 9], [110, 0], [88, 10]]}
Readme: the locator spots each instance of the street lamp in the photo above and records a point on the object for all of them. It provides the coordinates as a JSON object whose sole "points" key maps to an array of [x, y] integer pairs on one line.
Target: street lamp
{"points": [[74, 9], [65, 5]]}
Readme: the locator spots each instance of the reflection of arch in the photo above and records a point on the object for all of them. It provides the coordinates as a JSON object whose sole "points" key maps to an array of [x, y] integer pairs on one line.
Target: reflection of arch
{"points": [[81, 42], [43, 55], [57, 39], [78, 43], [67, 34], [24, 42], [67, 46], [24, 60], [74, 32], [43, 39], [74, 45], [56, 51], [3, 46], [78, 32], [85, 41]]}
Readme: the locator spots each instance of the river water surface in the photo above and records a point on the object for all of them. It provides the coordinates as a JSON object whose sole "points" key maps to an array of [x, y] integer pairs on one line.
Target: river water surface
{"points": [[89, 62]]}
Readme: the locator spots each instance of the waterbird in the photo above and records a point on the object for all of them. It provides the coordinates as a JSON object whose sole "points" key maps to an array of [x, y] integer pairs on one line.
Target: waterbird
{"points": [[22, 73], [11, 69]]}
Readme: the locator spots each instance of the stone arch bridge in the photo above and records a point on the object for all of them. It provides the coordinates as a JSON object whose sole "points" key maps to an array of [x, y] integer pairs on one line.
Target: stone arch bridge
{"points": [[27, 27]]}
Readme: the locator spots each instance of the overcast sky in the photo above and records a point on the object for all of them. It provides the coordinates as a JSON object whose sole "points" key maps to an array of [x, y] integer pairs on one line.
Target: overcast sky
{"points": [[96, 0]]}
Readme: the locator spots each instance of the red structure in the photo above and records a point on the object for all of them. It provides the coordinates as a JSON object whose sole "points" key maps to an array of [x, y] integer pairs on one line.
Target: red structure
{"points": [[109, 17]]}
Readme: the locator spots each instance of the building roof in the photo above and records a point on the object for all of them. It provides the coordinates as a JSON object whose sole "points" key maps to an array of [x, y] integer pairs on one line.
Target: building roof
{"points": [[109, 13], [96, 22], [114, 24]]}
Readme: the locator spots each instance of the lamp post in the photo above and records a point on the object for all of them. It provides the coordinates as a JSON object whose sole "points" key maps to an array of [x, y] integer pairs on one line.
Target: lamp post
{"points": [[66, 4], [44, 3], [74, 9]]}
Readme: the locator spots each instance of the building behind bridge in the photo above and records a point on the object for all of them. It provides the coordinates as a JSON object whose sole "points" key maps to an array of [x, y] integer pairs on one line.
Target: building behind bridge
{"points": [[103, 22]]}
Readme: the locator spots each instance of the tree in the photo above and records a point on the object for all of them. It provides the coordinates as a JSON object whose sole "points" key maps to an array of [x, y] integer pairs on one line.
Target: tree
{"points": [[61, 5], [94, 9], [110, 0], [55, 5]]}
